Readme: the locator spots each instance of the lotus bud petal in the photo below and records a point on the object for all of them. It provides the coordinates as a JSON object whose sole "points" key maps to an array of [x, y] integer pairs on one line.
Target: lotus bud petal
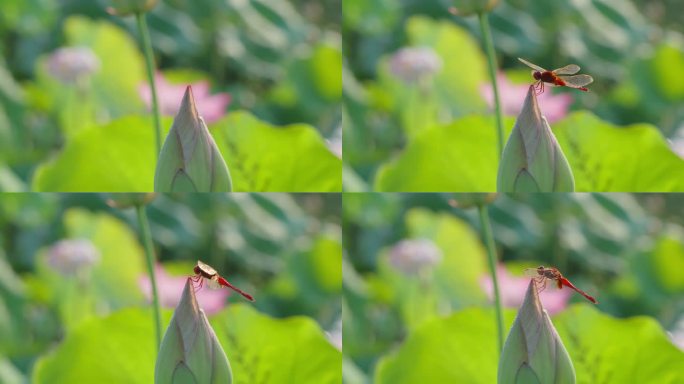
{"points": [[469, 7], [190, 160], [128, 200], [128, 7], [190, 351], [532, 160], [469, 200], [534, 352]]}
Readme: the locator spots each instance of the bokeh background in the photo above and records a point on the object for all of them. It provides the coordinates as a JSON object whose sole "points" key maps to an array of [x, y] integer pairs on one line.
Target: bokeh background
{"points": [[417, 293], [256, 67], [74, 293], [412, 66]]}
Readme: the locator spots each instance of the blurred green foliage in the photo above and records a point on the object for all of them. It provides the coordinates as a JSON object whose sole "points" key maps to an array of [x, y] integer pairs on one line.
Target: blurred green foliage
{"points": [[461, 156], [284, 249], [260, 157], [281, 61], [596, 343], [625, 248], [632, 48], [260, 349]]}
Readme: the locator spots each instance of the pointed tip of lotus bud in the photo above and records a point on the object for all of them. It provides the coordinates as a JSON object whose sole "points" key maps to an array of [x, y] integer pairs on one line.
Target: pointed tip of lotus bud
{"points": [[534, 352], [190, 160], [190, 348], [532, 160], [188, 105]]}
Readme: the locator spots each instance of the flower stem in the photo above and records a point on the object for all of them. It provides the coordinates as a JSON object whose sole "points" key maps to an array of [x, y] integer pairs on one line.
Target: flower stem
{"points": [[149, 63], [491, 61], [149, 256], [491, 258]]}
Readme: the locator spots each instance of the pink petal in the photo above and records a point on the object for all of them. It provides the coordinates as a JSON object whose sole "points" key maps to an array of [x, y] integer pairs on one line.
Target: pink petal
{"points": [[513, 288], [170, 289], [554, 106], [210, 107]]}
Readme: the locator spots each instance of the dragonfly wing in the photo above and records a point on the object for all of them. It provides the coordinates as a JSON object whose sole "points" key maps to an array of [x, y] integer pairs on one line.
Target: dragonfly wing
{"points": [[577, 81], [213, 283], [207, 269], [531, 272], [533, 66], [569, 69]]}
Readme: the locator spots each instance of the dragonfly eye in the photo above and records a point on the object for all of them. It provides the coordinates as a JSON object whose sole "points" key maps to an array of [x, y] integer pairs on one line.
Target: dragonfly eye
{"points": [[196, 270], [537, 75]]}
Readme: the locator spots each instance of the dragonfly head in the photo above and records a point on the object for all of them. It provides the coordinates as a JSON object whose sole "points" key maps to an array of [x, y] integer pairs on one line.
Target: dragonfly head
{"points": [[197, 270], [537, 75]]}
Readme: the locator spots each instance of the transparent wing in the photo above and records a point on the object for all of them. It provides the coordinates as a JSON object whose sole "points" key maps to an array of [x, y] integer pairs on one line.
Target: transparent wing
{"points": [[213, 283], [577, 81], [207, 269], [531, 272], [569, 69], [533, 66]]}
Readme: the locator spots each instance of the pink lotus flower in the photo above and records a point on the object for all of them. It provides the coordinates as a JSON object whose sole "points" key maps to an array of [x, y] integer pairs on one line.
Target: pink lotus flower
{"points": [[513, 290], [210, 107], [170, 289], [553, 107]]}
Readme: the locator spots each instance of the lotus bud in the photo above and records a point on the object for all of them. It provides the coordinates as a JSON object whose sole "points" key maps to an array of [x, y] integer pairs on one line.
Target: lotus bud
{"points": [[190, 351], [411, 64], [129, 7], [469, 7], [69, 256], [128, 200], [532, 160], [69, 64], [411, 256], [190, 160], [469, 200], [533, 352]]}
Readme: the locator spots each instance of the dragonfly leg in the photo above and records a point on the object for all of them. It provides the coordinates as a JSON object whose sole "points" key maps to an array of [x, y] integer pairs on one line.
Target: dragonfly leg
{"points": [[536, 87], [197, 279], [541, 283], [541, 87]]}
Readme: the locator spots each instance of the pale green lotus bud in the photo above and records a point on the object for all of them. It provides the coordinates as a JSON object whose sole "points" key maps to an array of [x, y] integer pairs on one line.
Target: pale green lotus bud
{"points": [[532, 160], [469, 200], [128, 200], [129, 7], [190, 351], [190, 160], [533, 352], [469, 7]]}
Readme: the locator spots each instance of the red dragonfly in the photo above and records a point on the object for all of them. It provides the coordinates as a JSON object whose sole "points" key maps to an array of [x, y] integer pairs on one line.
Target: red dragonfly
{"points": [[560, 77], [214, 280], [542, 274]]}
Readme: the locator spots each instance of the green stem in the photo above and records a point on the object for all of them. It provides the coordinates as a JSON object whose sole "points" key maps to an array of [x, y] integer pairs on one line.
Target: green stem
{"points": [[491, 258], [149, 256], [491, 61], [149, 63]]}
